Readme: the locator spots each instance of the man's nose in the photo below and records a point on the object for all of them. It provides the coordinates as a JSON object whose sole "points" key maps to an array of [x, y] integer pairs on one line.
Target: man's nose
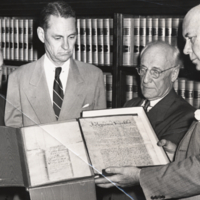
{"points": [[65, 44], [187, 48], [147, 77]]}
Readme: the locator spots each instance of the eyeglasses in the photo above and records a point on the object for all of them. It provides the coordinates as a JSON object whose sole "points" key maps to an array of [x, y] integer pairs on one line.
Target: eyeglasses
{"points": [[154, 72]]}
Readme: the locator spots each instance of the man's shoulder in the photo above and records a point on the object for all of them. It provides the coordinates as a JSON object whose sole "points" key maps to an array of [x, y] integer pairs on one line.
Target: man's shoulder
{"points": [[87, 67], [133, 102]]}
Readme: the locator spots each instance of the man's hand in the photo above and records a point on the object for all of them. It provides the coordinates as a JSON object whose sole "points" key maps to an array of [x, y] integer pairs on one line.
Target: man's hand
{"points": [[120, 176], [169, 147]]}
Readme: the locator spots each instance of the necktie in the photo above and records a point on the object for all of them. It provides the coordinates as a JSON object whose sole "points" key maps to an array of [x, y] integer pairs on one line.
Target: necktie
{"points": [[57, 93], [146, 105]]}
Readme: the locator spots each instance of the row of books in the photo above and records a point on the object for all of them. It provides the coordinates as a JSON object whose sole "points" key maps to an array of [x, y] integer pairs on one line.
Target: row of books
{"points": [[94, 42], [189, 90], [16, 37], [131, 87], [140, 30]]}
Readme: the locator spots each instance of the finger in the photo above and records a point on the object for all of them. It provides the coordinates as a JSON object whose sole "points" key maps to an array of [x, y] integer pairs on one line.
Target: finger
{"points": [[113, 170], [106, 185], [101, 180], [162, 142]]}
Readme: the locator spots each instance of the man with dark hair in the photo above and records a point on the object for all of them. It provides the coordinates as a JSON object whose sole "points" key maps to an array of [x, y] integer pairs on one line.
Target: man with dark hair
{"points": [[55, 87], [179, 179]]}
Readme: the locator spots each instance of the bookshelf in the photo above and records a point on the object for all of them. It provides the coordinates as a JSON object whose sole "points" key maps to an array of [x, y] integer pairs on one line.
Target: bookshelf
{"points": [[111, 9]]}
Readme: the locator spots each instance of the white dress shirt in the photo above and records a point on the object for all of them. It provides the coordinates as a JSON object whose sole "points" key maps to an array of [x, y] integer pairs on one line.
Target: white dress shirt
{"points": [[152, 103], [49, 69]]}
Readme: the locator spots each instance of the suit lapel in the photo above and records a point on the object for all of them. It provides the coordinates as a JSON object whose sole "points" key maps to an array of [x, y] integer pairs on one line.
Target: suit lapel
{"points": [[74, 92], [38, 94], [158, 112]]}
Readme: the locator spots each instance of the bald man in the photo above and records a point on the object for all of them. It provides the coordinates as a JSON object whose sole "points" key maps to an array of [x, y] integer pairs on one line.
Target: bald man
{"points": [[159, 68], [169, 114], [181, 178]]}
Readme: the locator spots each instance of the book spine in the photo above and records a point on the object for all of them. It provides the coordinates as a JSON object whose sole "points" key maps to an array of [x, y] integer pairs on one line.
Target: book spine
{"points": [[142, 33], [94, 42], [12, 54], [16, 39], [7, 38], [78, 41], [155, 28], [135, 87], [128, 41], [109, 83], [196, 102], [136, 40], [161, 29], [4, 73], [83, 39], [149, 31], [21, 39], [89, 40], [26, 42], [181, 87], [3, 37], [175, 25], [129, 87], [111, 41], [189, 92], [168, 33], [100, 41], [106, 36], [30, 39]]}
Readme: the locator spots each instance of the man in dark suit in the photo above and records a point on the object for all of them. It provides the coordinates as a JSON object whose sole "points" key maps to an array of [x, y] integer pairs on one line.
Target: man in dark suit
{"points": [[170, 115], [55, 87], [179, 179]]}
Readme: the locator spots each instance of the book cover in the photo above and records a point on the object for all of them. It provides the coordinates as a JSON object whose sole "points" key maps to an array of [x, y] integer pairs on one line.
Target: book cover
{"points": [[83, 40], [94, 42], [106, 37], [78, 41], [89, 40], [100, 37], [128, 42]]}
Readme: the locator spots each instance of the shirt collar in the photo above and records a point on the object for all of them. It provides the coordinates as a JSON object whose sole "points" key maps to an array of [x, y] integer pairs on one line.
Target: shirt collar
{"points": [[50, 64]]}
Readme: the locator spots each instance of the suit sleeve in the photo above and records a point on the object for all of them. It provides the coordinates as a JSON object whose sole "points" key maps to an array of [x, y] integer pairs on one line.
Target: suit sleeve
{"points": [[175, 180], [13, 112], [100, 94]]}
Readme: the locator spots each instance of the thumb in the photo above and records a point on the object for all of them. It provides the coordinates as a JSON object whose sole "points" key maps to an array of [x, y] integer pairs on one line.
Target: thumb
{"points": [[162, 143], [113, 170]]}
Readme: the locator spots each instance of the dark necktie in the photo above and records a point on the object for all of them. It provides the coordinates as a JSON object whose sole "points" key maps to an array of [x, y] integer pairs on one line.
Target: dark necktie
{"points": [[146, 105], [57, 93]]}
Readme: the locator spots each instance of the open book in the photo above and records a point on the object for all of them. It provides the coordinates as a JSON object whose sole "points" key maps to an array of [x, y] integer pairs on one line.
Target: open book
{"points": [[114, 137]]}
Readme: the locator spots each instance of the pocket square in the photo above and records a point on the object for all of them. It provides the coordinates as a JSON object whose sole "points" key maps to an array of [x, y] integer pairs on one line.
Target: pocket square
{"points": [[86, 105]]}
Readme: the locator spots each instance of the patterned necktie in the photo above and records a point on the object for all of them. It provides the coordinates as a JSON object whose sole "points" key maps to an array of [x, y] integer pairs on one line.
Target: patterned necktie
{"points": [[146, 105], [57, 93]]}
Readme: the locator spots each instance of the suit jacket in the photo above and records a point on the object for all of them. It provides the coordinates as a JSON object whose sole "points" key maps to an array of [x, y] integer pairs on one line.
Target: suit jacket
{"points": [[180, 178], [28, 99], [171, 117], [2, 110]]}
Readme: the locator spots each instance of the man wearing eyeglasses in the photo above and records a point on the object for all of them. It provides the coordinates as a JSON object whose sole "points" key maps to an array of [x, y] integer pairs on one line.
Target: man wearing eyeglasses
{"points": [[169, 114]]}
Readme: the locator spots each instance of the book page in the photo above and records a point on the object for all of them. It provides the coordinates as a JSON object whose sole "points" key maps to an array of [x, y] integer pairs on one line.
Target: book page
{"points": [[55, 152], [118, 141]]}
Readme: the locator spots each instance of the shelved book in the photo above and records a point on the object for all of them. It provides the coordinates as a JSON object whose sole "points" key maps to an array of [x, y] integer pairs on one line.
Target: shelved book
{"points": [[16, 35], [94, 42], [140, 30]]}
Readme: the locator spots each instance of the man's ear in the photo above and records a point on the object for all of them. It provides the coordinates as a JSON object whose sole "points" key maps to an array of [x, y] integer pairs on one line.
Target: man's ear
{"points": [[174, 74], [40, 33]]}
